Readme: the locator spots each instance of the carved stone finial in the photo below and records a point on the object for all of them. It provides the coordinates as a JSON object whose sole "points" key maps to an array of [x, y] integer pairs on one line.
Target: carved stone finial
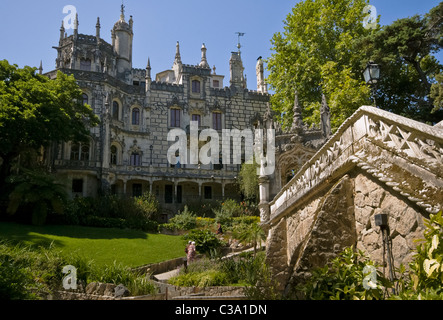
{"points": [[297, 123], [325, 117]]}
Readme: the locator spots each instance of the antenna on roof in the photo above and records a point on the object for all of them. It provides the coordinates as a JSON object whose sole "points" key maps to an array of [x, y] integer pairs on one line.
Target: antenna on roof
{"points": [[239, 34]]}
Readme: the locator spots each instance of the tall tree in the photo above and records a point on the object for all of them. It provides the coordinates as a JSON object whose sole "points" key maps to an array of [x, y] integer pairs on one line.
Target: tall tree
{"points": [[317, 54], [35, 111], [405, 52]]}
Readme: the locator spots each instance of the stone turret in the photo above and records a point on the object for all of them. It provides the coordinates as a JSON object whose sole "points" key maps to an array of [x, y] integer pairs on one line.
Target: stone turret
{"points": [[122, 35], [177, 67], [204, 61], [261, 83], [236, 70]]}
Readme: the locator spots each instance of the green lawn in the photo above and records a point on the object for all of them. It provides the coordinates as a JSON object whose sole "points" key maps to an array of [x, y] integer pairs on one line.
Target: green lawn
{"points": [[104, 246]]}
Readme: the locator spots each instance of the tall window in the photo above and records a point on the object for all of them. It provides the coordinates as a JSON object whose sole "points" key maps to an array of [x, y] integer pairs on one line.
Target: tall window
{"points": [[136, 116], [75, 149], [84, 152], [197, 117], [195, 86], [114, 155], [175, 118], [85, 98], [136, 159], [217, 121], [115, 110]]}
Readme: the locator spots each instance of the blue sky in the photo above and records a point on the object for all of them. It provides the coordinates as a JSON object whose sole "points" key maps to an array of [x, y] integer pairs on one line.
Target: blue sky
{"points": [[29, 29]]}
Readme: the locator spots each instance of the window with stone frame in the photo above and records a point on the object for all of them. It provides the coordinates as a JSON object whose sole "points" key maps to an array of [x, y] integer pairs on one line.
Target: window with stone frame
{"points": [[80, 151], [114, 155], [85, 98], [77, 185], [197, 118], [136, 116], [195, 86], [175, 118], [115, 110], [217, 121], [216, 83], [136, 159]]}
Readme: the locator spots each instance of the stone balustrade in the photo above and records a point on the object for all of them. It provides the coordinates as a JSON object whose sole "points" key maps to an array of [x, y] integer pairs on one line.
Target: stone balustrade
{"points": [[410, 141]]}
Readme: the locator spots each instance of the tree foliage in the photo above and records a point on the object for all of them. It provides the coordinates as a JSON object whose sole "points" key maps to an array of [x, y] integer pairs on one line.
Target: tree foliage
{"points": [[405, 52], [248, 181], [325, 47], [317, 54], [38, 192], [36, 111]]}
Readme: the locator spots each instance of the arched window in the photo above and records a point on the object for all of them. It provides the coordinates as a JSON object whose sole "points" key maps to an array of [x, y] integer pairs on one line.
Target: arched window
{"points": [[85, 98], [113, 155], [136, 116], [195, 86], [84, 152], [115, 110], [75, 151], [80, 151]]}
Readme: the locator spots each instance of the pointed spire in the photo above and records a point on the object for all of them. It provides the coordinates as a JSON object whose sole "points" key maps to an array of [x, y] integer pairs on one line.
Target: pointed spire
{"points": [[148, 76], [62, 31], [297, 122], [178, 59], [325, 116], [40, 69], [97, 28], [131, 22], [204, 62], [76, 22], [122, 14], [148, 69], [76, 26]]}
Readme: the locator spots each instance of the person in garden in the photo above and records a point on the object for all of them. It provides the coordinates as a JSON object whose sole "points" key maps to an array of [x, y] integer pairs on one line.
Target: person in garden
{"points": [[191, 252]]}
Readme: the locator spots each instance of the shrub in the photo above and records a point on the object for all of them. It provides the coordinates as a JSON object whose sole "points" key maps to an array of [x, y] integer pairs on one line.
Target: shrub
{"points": [[112, 211], [15, 282], [185, 220], [425, 280], [342, 279], [205, 241]]}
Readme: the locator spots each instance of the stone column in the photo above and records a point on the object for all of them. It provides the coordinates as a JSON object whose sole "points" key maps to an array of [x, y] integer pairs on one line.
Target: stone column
{"points": [[263, 182]]}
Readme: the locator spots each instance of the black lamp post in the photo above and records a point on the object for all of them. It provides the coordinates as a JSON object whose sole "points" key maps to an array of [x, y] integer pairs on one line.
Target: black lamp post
{"points": [[372, 76]]}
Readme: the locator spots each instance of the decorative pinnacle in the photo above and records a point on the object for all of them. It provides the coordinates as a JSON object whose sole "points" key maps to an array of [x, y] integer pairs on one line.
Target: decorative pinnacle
{"points": [[122, 15]]}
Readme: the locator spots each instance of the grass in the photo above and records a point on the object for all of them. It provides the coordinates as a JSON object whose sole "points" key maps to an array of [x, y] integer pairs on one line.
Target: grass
{"points": [[104, 246]]}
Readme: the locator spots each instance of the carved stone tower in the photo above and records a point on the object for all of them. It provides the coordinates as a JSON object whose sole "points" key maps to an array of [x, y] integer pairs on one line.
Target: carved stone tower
{"points": [[122, 35]]}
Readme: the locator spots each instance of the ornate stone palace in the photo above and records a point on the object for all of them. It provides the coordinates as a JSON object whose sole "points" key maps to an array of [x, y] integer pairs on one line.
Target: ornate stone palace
{"points": [[127, 153]]}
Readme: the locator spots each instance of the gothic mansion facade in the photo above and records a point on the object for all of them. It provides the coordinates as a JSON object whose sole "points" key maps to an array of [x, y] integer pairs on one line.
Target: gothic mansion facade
{"points": [[127, 152]]}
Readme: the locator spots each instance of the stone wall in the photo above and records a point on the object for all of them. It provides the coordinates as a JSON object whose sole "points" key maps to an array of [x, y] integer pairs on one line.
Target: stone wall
{"points": [[340, 217], [376, 163]]}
